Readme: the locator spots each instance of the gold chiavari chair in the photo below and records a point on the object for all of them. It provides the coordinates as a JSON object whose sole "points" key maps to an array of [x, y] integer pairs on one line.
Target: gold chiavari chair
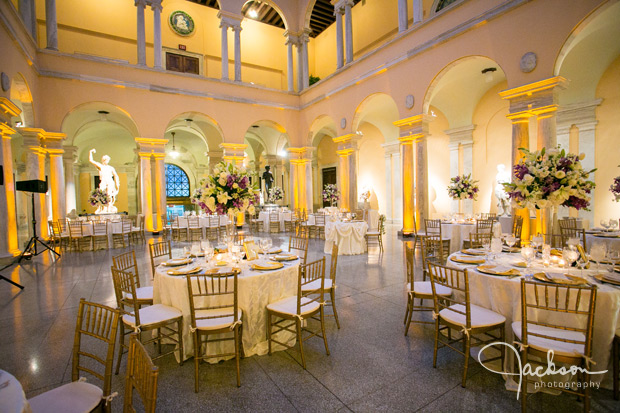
{"points": [[175, 228], [289, 222], [330, 285], [214, 309], [256, 224], [488, 215], [484, 227], [558, 318], [568, 230], [127, 262], [76, 235], [59, 238], [517, 228], [213, 230], [96, 324], [306, 305], [300, 245], [274, 222], [158, 250], [376, 235], [141, 376], [100, 234], [124, 234], [318, 229], [422, 290], [193, 228], [166, 230], [137, 232], [476, 324], [158, 317], [418, 235], [476, 240], [433, 227]]}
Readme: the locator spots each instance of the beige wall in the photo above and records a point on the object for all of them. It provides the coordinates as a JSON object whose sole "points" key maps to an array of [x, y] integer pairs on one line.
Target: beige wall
{"points": [[607, 147], [438, 165], [372, 166]]}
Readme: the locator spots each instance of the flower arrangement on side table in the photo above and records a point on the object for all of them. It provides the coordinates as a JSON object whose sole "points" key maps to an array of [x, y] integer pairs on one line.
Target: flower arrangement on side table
{"points": [[331, 194], [550, 178], [275, 194], [99, 198], [615, 188], [226, 191], [463, 187]]}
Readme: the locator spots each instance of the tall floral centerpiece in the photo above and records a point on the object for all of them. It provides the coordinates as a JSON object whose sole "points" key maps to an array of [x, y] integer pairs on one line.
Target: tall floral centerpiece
{"points": [[615, 188], [275, 194], [547, 179], [462, 188], [226, 191], [99, 198], [331, 194]]}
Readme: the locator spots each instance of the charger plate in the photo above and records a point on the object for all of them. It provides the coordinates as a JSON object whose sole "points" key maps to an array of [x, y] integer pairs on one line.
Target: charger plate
{"points": [[565, 279], [468, 260], [175, 262], [473, 251], [284, 257], [267, 266], [491, 269], [185, 271]]}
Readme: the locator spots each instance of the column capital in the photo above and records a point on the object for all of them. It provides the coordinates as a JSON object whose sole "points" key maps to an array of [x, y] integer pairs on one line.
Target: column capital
{"points": [[233, 152], [158, 156], [32, 138], [303, 153], [70, 154], [462, 135], [141, 3], [291, 38], [414, 125], [53, 142], [151, 146], [156, 4], [391, 148], [534, 95], [6, 131], [340, 5], [8, 110], [229, 19]]}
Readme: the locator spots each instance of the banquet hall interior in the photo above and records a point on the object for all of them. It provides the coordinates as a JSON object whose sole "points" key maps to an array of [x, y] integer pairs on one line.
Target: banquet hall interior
{"points": [[382, 187]]}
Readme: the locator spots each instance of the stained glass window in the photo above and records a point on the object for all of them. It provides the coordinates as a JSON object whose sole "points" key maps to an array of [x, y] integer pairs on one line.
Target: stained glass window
{"points": [[177, 182]]}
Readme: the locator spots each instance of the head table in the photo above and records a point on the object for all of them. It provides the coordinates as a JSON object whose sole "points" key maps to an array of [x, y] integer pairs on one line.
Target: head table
{"points": [[256, 289], [502, 294]]}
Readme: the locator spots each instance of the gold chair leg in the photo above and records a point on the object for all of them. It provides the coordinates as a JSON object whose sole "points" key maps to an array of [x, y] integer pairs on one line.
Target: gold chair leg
{"points": [[616, 367], [120, 346], [332, 294], [436, 343], [269, 331], [410, 313], [322, 312], [301, 342], [466, 348], [196, 360], [180, 335], [237, 355]]}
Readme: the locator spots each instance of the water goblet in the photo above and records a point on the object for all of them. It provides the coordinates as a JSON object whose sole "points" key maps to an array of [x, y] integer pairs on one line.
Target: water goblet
{"points": [[573, 242], [605, 223], [269, 244], [496, 247], [527, 252], [486, 244], [510, 240], [570, 255], [613, 223], [537, 240], [598, 252], [209, 251]]}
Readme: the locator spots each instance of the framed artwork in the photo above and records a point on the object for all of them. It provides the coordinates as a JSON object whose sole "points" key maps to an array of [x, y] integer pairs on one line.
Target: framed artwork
{"points": [[181, 22], [251, 251]]}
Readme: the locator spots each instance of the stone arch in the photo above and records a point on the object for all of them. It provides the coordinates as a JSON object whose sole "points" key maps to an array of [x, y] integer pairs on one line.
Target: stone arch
{"points": [[322, 125], [277, 8], [21, 96], [380, 110]]}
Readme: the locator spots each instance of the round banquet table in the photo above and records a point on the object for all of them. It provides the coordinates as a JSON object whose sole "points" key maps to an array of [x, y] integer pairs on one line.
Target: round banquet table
{"points": [[256, 289], [503, 295], [282, 216], [349, 236], [12, 397], [457, 232], [611, 239]]}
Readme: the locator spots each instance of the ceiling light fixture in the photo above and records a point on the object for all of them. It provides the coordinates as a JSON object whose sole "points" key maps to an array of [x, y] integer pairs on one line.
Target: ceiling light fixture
{"points": [[488, 74], [253, 13], [188, 122], [174, 154], [103, 115]]}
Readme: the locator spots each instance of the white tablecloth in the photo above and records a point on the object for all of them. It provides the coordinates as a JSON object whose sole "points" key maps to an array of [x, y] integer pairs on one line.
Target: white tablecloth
{"points": [[372, 218], [349, 236], [256, 289], [12, 397], [264, 216], [612, 243], [457, 234], [503, 295], [115, 227]]}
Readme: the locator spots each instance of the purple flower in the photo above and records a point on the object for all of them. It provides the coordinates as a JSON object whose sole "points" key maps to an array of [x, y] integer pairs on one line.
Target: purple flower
{"points": [[577, 203], [520, 171]]}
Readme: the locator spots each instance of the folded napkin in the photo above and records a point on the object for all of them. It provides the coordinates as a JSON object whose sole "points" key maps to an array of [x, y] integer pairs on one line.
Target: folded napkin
{"points": [[174, 262], [267, 266], [473, 251], [285, 257], [187, 270], [220, 271], [521, 264], [498, 270], [612, 277], [220, 263], [468, 260]]}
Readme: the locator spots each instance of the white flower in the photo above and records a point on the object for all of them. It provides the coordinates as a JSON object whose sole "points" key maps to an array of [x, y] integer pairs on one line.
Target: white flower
{"points": [[235, 185], [222, 198], [560, 174], [222, 181], [210, 203], [223, 175], [251, 210], [528, 178]]}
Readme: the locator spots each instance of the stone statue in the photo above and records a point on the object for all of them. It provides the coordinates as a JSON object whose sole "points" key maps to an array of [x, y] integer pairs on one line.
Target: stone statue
{"points": [[268, 178], [108, 181], [502, 197]]}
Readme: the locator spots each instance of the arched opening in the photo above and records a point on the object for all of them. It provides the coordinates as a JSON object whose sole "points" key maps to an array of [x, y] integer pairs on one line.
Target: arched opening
{"points": [[322, 132]]}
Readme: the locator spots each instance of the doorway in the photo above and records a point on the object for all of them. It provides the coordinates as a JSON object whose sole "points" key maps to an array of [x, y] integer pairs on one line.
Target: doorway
{"points": [[329, 177]]}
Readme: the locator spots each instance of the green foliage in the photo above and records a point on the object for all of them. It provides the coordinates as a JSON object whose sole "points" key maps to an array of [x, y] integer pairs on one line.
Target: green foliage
{"points": [[313, 79]]}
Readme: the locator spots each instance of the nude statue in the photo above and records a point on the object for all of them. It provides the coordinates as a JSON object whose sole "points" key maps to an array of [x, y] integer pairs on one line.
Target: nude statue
{"points": [[502, 197], [109, 181]]}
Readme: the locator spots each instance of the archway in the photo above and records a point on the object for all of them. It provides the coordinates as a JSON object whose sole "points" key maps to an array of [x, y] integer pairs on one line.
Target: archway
{"points": [[322, 131]]}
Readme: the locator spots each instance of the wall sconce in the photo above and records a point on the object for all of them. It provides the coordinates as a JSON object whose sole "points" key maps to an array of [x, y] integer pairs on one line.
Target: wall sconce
{"points": [[103, 115], [488, 74], [174, 154]]}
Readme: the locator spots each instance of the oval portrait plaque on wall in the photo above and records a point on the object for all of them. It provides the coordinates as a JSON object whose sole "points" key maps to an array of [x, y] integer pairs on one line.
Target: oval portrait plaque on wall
{"points": [[181, 22]]}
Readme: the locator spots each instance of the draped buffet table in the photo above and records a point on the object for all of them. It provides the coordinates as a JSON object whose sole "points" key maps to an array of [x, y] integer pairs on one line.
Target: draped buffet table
{"points": [[256, 289], [503, 295], [349, 236]]}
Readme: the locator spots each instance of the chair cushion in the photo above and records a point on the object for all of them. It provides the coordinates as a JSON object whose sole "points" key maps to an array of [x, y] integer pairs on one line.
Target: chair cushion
{"points": [[153, 315], [77, 396], [289, 306], [316, 284], [425, 288], [143, 293], [216, 323], [480, 317], [375, 233], [543, 344]]}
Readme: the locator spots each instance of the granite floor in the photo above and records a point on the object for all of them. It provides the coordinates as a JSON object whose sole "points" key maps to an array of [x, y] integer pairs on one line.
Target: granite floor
{"points": [[372, 366]]}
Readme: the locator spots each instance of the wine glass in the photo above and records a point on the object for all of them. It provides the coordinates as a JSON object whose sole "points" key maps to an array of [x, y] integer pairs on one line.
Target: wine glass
{"points": [[486, 244], [496, 247], [605, 224], [209, 251], [262, 243], [269, 243], [234, 254], [527, 252], [598, 252], [572, 242], [537, 240], [613, 223], [510, 240], [569, 254]]}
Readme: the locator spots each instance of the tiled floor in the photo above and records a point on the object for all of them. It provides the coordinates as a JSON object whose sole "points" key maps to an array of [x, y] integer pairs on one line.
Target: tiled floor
{"points": [[372, 366]]}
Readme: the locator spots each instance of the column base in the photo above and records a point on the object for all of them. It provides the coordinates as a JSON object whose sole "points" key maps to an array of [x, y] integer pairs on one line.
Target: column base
{"points": [[405, 234], [154, 233]]}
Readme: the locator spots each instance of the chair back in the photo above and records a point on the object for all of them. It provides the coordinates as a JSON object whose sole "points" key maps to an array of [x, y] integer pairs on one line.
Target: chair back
{"points": [[458, 282], [307, 274], [484, 225], [567, 308], [300, 244], [211, 297], [75, 229], [158, 250], [432, 226], [95, 323], [432, 251], [126, 226], [193, 222], [319, 219], [334, 263], [517, 227], [476, 239], [214, 221], [488, 215], [100, 228], [141, 375], [568, 229], [127, 262], [125, 291], [63, 225], [274, 217], [55, 227]]}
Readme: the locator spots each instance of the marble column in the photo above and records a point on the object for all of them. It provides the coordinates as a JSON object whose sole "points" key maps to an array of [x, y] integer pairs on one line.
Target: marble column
{"points": [[348, 23], [402, 15], [233, 152], [27, 11], [224, 34], [69, 159], [146, 190], [55, 151], [393, 186], [289, 63], [304, 39], [8, 225], [160, 190], [461, 161], [301, 177], [418, 11], [300, 64], [413, 139], [546, 126], [141, 37], [51, 26], [35, 169], [215, 157], [237, 30], [156, 7], [338, 11], [308, 185], [348, 156]]}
